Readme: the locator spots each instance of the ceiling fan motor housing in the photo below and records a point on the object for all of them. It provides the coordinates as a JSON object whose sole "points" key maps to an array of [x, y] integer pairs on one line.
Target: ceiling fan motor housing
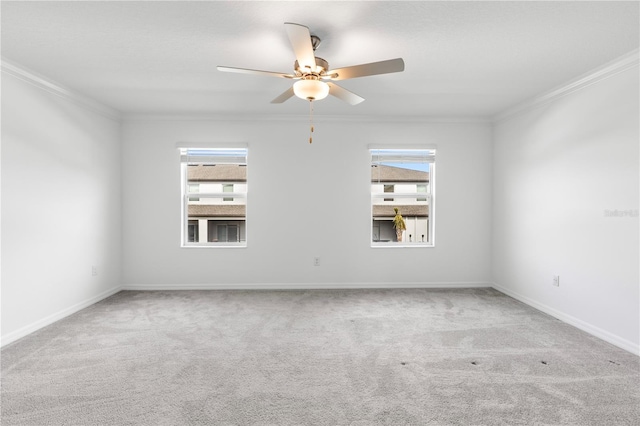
{"points": [[321, 67]]}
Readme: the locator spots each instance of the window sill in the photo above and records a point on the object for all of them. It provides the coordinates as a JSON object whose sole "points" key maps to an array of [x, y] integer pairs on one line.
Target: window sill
{"points": [[394, 244], [214, 245]]}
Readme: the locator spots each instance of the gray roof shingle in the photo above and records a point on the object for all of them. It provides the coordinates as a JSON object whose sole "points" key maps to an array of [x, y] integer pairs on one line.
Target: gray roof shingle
{"points": [[217, 210], [382, 173], [420, 210], [238, 173], [217, 173]]}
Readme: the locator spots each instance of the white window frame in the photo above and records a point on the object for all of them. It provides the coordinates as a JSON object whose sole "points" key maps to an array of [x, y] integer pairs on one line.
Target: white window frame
{"points": [[384, 154], [223, 154]]}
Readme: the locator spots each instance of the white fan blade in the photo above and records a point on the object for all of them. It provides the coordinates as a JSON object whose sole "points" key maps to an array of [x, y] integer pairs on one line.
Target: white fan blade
{"points": [[283, 97], [374, 68], [300, 39], [255, 72], [344, 94]]}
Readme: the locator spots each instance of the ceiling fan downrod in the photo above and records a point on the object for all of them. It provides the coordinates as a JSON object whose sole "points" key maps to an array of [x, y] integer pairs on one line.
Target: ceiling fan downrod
{"points": [[315, 42]]}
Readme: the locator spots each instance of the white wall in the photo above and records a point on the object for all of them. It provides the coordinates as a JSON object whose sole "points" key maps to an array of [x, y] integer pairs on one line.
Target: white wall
{"points": [[323, 192], [557, 169], [61, 207]]}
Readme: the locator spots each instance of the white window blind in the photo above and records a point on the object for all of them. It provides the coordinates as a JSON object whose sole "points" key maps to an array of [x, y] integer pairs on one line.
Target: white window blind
{"points": [[408, 156], [213, 156]]}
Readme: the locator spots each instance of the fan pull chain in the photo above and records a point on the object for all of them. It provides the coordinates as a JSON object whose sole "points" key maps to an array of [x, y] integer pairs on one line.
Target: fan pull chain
{"points": [[310, 121]]}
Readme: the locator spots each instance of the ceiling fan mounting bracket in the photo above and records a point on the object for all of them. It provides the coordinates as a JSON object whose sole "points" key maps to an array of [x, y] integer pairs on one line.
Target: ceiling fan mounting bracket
{"points": [[315, 42]]}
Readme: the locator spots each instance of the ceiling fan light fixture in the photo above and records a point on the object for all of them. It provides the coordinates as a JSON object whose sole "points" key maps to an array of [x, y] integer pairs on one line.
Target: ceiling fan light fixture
{"points": [[311, 90]]}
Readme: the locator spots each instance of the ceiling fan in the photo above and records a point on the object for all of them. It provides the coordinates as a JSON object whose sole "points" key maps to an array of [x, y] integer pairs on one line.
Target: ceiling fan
{"points": [[313, 75]]}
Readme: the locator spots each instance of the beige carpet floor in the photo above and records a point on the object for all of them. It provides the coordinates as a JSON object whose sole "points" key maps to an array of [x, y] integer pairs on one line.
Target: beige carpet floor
{"points": [[316, 357]]}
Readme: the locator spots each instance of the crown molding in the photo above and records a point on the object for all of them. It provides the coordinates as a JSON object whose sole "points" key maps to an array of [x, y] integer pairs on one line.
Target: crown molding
{"points": [[133, 117], [57, 89], [621, 64], [618, 65]]}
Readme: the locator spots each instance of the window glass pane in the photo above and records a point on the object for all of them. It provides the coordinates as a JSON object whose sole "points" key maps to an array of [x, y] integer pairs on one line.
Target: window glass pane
{"points": [[222, 233], [422, 188], [227, 188], [193, 233], [194, 188], [214, 174], [232, 233], [388, 188], [405, 219]]}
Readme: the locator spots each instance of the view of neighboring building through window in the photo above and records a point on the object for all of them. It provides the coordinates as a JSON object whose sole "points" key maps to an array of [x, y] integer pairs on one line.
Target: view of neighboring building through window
{"points": [[217, 215], [227, 187], [388, 188], [409, 175], [194, 188]]}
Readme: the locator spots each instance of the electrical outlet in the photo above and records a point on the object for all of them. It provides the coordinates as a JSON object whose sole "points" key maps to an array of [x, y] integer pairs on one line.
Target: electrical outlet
{"points": [[316, 261], [94, 271], [556, 280]]}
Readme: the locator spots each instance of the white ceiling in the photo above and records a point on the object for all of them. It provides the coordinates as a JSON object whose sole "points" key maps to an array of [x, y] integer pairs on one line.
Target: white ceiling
{"points": [[470, 59]]}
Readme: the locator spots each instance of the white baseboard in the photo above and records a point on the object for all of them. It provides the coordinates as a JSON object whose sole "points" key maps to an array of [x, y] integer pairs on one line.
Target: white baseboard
{"points": [[28, 329], [582, 325], [305, 286], [578, 323]]}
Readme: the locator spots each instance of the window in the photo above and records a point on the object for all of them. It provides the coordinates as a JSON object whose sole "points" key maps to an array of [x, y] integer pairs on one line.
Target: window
{"points": [[193, 231], [227, 187], [223, 232], [406, 219], [194, 188], [422, 188], [388, 188], [217, 215]]}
